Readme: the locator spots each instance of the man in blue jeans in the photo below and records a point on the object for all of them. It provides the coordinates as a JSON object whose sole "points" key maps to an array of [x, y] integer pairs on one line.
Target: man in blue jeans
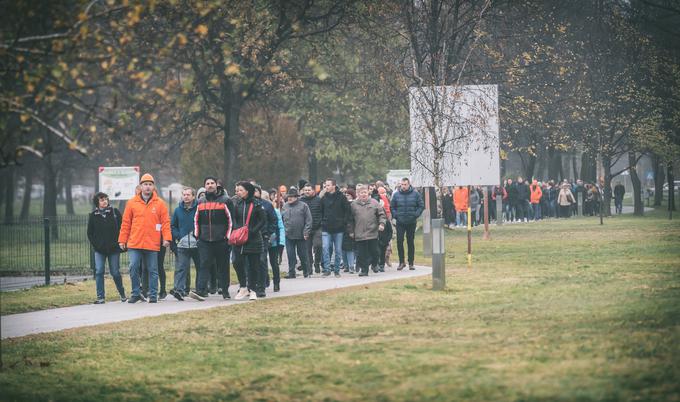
{"points": [[145, 220], [334, 214]]}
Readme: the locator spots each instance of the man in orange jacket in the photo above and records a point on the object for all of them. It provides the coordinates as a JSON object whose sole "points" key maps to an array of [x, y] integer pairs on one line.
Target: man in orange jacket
{"points": [[460, 200], [536, 194], [145, 220]]}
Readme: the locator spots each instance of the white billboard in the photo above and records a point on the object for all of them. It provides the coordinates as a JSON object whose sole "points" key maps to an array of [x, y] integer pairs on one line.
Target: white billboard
{"points": [[454, 131], [118, 182]]}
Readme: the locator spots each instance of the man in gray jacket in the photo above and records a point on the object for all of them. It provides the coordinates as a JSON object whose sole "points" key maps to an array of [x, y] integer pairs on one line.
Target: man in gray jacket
{"points": [[297, 220], [367, 218]]}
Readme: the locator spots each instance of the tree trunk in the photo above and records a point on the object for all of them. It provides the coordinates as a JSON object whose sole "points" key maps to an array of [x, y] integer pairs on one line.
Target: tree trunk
{"points": [[67, 191], [232, 142], [8, 195], [26, 202], [504, 163], [588, 168], [658, 180], [671, 186], [607, 190], [574, 166], [50, 195], [555, 165], [638, 206], [540, 171], [530, 167]]}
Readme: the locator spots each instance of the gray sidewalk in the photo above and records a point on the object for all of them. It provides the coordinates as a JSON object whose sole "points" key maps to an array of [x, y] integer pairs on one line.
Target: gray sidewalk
{"points": [[16, 325], [11, 283]]}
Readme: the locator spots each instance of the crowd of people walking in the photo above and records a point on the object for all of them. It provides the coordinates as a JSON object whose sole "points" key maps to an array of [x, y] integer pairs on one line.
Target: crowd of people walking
{"points": [[323, 232]]}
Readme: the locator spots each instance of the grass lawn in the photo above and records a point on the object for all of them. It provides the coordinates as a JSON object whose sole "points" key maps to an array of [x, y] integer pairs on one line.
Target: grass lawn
{"points": [[565, 310]]}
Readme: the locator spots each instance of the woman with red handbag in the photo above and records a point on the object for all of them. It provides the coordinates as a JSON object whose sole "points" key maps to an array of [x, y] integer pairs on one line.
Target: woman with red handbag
{"points": [[246, 239]]}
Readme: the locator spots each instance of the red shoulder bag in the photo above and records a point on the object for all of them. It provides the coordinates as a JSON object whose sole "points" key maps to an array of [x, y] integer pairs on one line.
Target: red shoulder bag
{"points": [[239, 236]]}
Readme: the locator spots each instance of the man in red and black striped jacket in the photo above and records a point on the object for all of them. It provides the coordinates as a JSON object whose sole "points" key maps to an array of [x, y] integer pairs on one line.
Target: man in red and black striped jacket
{"points": [[212, 227]]}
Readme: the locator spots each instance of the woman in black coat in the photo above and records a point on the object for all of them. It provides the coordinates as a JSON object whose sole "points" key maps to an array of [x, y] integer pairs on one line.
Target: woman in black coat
{"points": [[247, 256], [103, 226]]}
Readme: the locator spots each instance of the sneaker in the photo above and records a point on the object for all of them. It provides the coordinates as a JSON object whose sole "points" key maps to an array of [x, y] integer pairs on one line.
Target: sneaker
{"points": [[363, 273], [276, 287], [337, 274], [351, 270], [289, 276], [381, 269], [317, 269], [253, 296], [219, 291], [374, 268], [241, 294], [327, 273], [346, 269], [162, 295], [177, 295], [135, 299], [225, 295], [411, 267], [212, 291], [401, 266], [99, 301], [196, 296], [261, 294], [123, 299], [153, 300]]}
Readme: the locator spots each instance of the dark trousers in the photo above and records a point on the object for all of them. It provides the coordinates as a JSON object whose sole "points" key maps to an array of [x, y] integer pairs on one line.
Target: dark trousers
{"points": [[367, 253], [382, 250], [263, 275], [521, 209], [161, 273], [410, 231], [314, 249], [247, 269], [274, 262], [213, 253], [295, 248]]}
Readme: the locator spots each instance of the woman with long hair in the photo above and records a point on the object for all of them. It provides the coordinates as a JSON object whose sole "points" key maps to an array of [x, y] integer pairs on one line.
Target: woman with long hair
{"points": [[248, 211]]}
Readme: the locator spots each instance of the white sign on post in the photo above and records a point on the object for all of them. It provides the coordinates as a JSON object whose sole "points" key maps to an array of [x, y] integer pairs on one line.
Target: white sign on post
{"points": [[457, 126], [118, 182]]}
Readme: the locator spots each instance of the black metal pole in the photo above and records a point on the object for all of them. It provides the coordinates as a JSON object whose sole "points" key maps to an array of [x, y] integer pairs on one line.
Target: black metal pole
{"points": [[47, 250]]}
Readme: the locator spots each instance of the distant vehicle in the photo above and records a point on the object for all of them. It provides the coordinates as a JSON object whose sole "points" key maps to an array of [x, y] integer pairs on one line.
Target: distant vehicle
{"points": [[676, 186]]}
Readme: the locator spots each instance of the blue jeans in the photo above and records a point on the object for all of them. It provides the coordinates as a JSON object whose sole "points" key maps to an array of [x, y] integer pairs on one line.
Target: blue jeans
{"points": [[182, 267], [348, 259], [537, 210], [509, 212], [114, 268], [461, 218], [333, 240], [151, 262]]}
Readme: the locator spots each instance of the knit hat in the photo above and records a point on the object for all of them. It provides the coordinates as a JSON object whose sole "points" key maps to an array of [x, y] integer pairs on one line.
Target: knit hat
{"points": [[200, 191], [146, 177], [292, 192]]}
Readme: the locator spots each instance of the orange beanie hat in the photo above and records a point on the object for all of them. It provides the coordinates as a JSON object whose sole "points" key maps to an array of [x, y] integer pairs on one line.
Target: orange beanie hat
{"points": [[146, 177]]}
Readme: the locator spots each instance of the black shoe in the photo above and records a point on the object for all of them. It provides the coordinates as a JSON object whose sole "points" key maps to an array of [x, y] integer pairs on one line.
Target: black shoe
{"points": [[196, 296], [363, 273], [177, 295], [346, 269], [123, 299], [317, 269], [299, 268], [337, 274], [327, 273], [219, 291], [225, 295], [135, 299], [381, 269], [289, 276], [153, 300], [162, 295], [99, 301], [276, 287], [261, 294], [374, 269], [401, 266], [212, 291], [411, 267]]}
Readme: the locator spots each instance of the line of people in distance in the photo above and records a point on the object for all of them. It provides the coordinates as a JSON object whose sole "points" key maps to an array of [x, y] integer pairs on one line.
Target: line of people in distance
{"points": [[348, 229], [523, 202]]}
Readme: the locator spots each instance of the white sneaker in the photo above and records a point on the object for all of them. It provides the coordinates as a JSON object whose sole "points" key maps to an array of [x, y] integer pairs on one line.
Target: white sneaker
{"points": [[253, 296], [241, 294]]}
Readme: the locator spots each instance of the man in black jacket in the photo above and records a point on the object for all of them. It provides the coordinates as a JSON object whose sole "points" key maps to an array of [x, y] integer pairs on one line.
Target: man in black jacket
{"points": [[523, 195], [212, 228], [314, 245], [334, 214]]}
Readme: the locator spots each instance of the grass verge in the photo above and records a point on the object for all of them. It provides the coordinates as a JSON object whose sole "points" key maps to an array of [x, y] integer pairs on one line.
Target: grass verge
{"points": [[565, 310]]}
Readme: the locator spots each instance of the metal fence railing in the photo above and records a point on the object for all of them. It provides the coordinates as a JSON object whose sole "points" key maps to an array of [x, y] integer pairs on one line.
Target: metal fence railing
{"points": [[26, 249]]}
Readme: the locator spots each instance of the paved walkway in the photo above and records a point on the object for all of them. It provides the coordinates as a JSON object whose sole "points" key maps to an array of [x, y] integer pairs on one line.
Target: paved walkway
{"points": [[16, 325]]}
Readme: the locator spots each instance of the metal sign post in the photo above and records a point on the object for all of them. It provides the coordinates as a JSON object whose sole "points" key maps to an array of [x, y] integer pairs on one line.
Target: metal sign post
{"points": [[438, 255], [486, 214], [427, 232]]}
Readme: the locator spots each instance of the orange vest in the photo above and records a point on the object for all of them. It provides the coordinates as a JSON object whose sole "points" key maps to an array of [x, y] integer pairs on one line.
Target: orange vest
{"points": [[144, 223]]}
